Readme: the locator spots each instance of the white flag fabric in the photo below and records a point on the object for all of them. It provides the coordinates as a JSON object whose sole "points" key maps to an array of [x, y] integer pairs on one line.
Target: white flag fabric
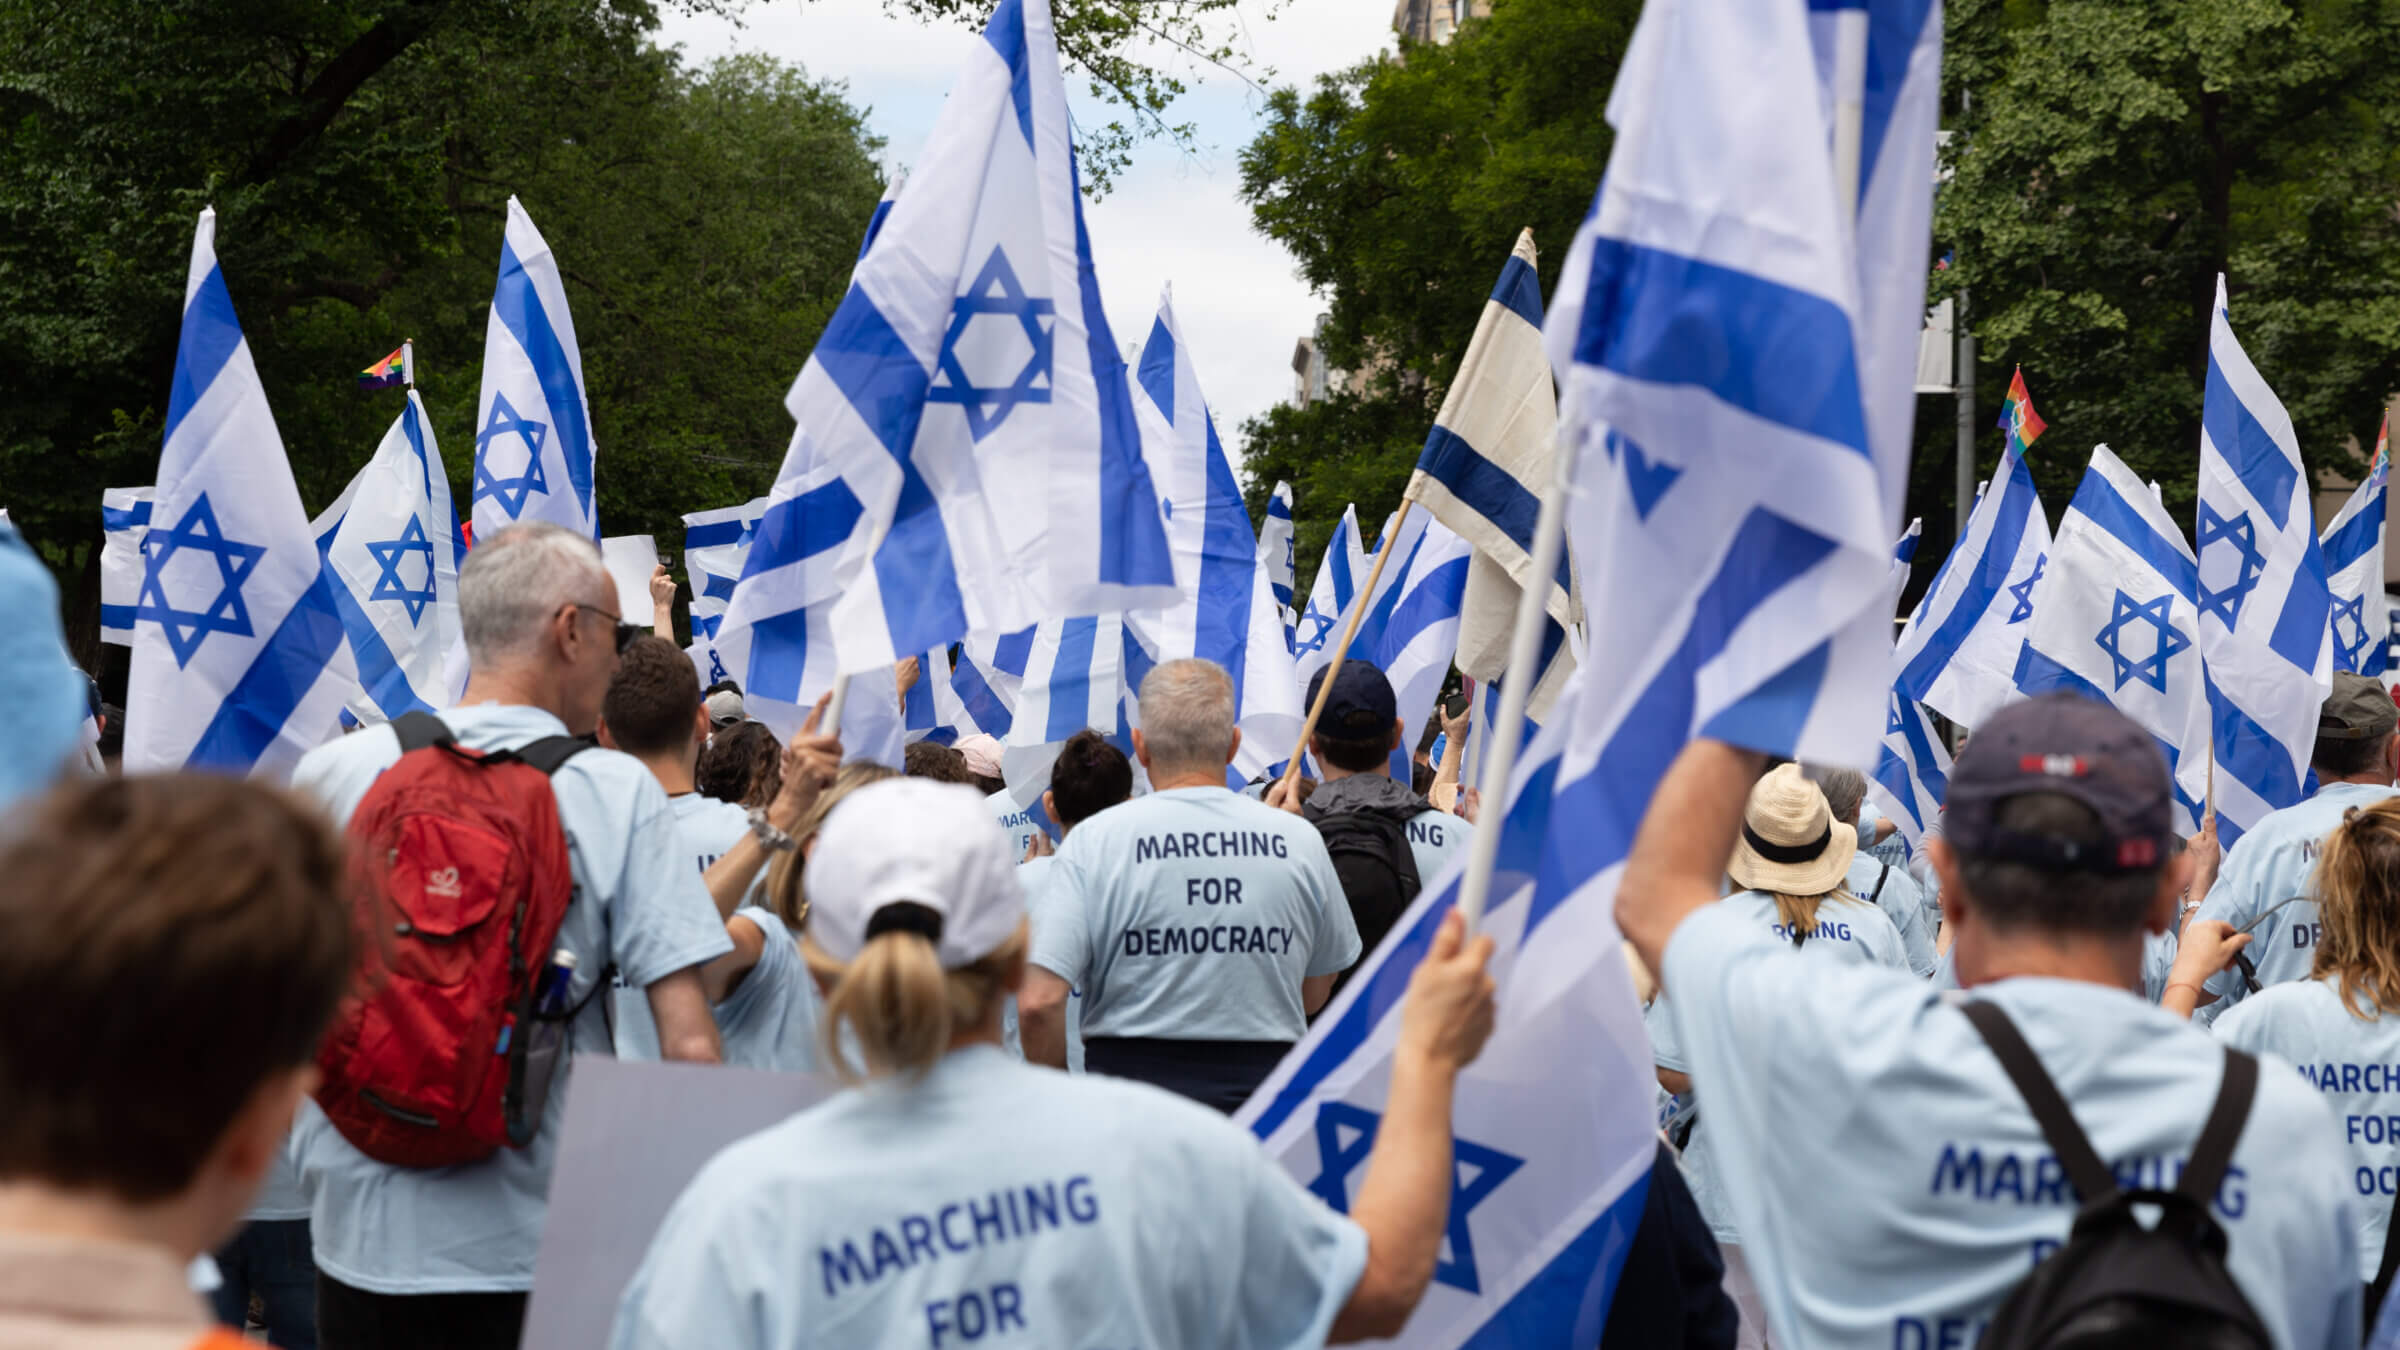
{"points": [[1340, 574], [716, 545], [124, 519], [1912, 771], [533, 425], [2115, 620], [1074, 678], [2353, 545], [968, 389], [1227, 613], [1411, 624], [392, 556], [239, 658], [1487, 464], [2265, 607], [1275, 553], [1958, 655]]}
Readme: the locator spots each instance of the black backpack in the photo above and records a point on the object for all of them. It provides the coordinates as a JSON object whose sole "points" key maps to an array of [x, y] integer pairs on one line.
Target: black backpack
{"points": [[2116, 1284], [1378, 871]]}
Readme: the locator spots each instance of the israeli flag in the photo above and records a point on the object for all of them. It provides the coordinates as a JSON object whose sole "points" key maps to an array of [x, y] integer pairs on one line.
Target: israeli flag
{"points": [[2116, 620], [1339, 576], [932, 710], [1228, 613], [239, 658], [1912, 771], [392, 556], [533, 425], [1485, 467], [124, 519], [1958, 654], [1411, 625], [1905, 552], [969, 392], [1275, 541], [1074, 677], [2265, 604], [716, 546], [2353, 545], [987, 678]]}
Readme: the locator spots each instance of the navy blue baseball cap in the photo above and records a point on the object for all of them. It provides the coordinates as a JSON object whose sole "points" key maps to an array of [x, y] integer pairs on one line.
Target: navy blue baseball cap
{"points": [[1363, 706], [2077, 748]]}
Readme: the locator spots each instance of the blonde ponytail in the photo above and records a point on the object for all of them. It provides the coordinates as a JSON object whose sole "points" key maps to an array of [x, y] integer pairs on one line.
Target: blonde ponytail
{"points": [[898, 1007]]}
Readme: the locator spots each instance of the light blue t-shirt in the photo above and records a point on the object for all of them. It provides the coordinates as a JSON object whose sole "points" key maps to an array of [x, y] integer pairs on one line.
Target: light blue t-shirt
{"points": [[769, 1021], [1194, 914], [1846, 933], [1017, 822], [1942, 1193], [708, 828], [2268, 865], [1894, 891], [2355, 1063], [638, 905], [1034, 875], [1434, 838], [994, 1202]]}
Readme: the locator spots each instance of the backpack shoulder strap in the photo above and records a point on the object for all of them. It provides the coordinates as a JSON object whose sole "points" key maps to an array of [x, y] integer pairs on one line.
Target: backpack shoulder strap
{"points": [[551, 753], [1880, 878], [418, 729], [2091, 1176], [2390, 1264], [2214, 1153]]}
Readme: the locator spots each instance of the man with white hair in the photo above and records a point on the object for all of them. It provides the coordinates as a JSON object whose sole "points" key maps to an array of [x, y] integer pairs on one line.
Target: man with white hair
{"points": [[444, 1256], [1203, 928]]}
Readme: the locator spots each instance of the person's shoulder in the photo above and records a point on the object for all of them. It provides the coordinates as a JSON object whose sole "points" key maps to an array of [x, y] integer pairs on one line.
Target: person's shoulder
{"points": [[767, 920], [376, 747], [2291, 1123]]}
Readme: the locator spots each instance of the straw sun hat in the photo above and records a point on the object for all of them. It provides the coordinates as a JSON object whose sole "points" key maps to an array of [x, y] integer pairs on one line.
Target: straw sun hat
{"points": [[1790, 841]]}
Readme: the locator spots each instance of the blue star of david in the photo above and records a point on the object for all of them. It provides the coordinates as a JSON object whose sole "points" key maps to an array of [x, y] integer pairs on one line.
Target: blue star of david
{"points": [[1315, 641], [388, 583], [2152, 669], [1647, 478], [994, 291], [510, 492], [2022, 592], [2352, 642], [1893, 725], [1337, 1160], [186, 629], [716, 666], [2242, 536]]}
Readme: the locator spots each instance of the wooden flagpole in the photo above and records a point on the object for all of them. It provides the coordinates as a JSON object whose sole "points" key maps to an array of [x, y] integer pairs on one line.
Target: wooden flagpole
{"points": [[1358, 614]]}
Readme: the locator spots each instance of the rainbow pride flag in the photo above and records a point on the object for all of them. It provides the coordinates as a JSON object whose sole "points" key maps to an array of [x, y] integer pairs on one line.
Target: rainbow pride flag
{"points": [[385, 373], [2017, 417]]}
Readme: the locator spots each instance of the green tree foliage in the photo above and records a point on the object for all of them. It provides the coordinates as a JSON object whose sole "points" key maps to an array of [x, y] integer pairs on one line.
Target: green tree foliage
{"points": [[2115, 156], [1400, 187], [360, 157]]}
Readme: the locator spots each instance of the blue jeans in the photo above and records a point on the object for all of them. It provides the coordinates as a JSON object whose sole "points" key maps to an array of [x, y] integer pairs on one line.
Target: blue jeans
{"points": [[272, 1259]]}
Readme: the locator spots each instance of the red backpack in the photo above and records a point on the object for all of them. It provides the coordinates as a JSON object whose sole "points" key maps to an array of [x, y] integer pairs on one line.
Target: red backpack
{"points": [[459, 881]]}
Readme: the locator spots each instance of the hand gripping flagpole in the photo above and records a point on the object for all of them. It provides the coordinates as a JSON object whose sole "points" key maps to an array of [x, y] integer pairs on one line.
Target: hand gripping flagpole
{"points": [[1516, 688], [1358, 614]]}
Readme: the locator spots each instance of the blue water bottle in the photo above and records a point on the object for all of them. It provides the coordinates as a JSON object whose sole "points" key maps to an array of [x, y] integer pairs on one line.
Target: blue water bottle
{"points": [[557, 981]]}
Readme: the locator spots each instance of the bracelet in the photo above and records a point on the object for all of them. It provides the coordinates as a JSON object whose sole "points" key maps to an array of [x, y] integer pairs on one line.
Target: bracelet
{"points": [[2181, 984], [769, 837]]}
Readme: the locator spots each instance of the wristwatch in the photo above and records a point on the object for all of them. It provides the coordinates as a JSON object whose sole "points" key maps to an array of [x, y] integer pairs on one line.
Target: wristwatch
{"points": [[770, 838]]}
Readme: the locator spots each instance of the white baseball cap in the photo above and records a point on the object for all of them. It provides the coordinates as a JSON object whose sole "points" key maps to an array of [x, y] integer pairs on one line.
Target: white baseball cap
{"points": [[914, 855]]}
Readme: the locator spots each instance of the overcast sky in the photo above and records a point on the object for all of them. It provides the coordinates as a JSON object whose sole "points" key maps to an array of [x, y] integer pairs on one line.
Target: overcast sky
{"points": [[1171, 218]]}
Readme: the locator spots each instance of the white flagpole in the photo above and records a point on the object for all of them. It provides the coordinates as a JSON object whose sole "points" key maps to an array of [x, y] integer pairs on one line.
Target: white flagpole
{"points": [[1516, 688], [1849, 106], [832, 725], [408, 363]]}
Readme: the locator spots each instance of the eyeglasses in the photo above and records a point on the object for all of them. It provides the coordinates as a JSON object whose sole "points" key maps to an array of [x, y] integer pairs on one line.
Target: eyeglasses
{"points": [[626, 632]]}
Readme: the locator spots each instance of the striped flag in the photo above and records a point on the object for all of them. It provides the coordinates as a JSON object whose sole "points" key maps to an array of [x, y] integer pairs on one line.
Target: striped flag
{"points": [[1958, 654], [391, 551], [2353, 544], [1912, 771], [1411, 623], [124, 519], [1339, 575], [534, 451], [716, 546], [1275, 543], [239, 658], [1485, 467], [1074, 677], [2265, 602]]}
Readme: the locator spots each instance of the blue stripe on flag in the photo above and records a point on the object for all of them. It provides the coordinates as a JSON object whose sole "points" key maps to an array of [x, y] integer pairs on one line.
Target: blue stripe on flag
{"points": [[210, 335], [1520, 289], [1006, 33], [379, 672], [2017, 500], [1433, 599], [712, 534], [2099, 500], [1576, 1287], [1774, 713], [1892, 772], [1071, 679], [716, 585], [1157, 371], [1780, 354], [798, 528], [112, 518], [1013, 651], [2303, 628], [778, 655], [520, 309], [1138, 666], [2249, 751], [1484, 487], [2038, 674], [886, 386], [2247, 446], [1133, 537], [1228, 572], [269, 692], [1920, 746], [116, 616], [977, 696], [917, 712], [2351, 542], [1895, 28]]}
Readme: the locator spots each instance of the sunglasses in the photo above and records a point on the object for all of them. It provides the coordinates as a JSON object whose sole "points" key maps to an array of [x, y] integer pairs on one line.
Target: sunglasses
{"points": [[626, 632]]}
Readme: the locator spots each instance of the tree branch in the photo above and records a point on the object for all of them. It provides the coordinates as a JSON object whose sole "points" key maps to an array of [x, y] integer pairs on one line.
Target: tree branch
{"points": [[341, 78]]}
